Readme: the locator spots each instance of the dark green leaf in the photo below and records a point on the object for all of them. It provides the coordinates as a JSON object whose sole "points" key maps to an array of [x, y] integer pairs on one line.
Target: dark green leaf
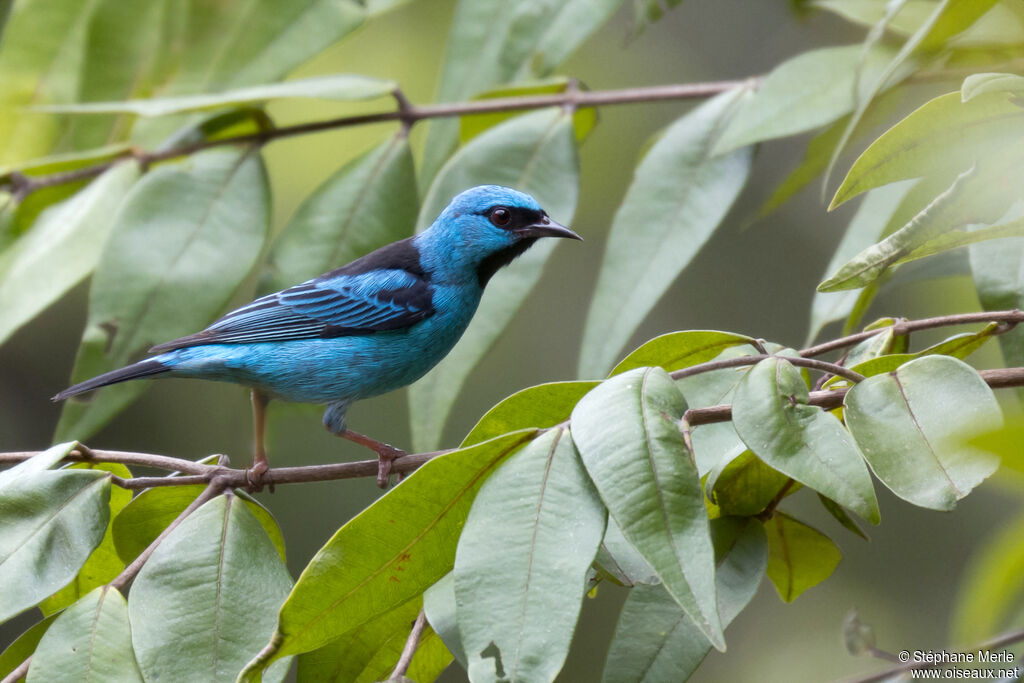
{"points": [[104, 564], [535, 153], [61, 249], [185, 237], [743, 485], [679, 195], [472, 125], [771, 415], [627, 433], [841, 516], [23, 647], [52, 522], [799, 557], [655, 640], [678, 350], [366, 204], [205, 601], [90, 640], [530, 537], [388, 554], [542, 406], [914, 427]]}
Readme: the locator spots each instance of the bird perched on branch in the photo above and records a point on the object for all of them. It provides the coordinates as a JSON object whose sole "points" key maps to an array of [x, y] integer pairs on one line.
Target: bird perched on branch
{"points": [[372, 326]]}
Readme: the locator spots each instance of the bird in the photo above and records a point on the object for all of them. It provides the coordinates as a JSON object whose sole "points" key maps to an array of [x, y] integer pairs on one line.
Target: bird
{"points": [[367, 328]]}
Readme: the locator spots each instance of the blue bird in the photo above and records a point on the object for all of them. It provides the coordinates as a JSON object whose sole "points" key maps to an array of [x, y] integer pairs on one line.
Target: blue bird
{"points": [[370, 327]]}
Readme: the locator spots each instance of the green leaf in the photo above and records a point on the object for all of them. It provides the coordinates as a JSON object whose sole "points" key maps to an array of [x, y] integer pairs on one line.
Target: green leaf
{"points": [[973, 130], [914, 426], [998, 271], [634, 451], [342, 87], [944, 213], [22, 648], [494, 42], [204, 603], [40, 462], [42, 46], [655, 640], [439, 606], [52, 522], [743, 485], [535, 153], [183, 240], [803, 93], [541, 406], [678, 350], [841, 516], [865, 228], [999, 25], [955, 239], [620, 562], [948, 18], [61, 249], [530, 537], [150, 512], [799, 557], [679, 195], [772, 416], [91, 640], [979, 84], [104, 564], [367, 203], [991, 595], [69, 161], [472, 125], [388, 554], [369, 652]]}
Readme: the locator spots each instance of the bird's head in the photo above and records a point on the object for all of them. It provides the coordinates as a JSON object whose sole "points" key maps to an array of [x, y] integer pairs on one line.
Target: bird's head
{"points": [[486, 227]]}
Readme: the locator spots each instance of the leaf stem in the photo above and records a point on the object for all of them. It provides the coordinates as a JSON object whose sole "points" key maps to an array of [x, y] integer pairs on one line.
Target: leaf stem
{"points": [[410, 647]]}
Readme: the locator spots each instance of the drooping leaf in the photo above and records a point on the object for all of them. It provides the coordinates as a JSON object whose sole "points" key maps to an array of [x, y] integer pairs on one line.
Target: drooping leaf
{"points": [[90, 640], [186, 235], [634, 451], [772, 416], [542, 406], [494, 42], [535, 153], [955, 239], [439, 606], [344, 87], [679, 195], [530, 537], [367, 203], [655, 640], [678, 350], [864, 230], [973, 130], [104, 564], [150, 512], [52, 522], [205, 601], [841, 516], [799, 557], [803, 93], [61, 249], [914, 426], [388, 554]]}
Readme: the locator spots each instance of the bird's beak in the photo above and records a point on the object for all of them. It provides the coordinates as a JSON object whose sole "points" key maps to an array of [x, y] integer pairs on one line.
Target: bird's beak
{"points": [[547, 228]]}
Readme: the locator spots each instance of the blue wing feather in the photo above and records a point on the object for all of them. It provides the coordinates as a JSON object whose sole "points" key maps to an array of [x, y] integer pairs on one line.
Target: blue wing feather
{"points": [[333, 305]]}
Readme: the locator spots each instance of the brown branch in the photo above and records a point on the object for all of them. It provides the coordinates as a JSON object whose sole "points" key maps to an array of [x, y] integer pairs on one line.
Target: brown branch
{"points": [[19, 673], [406, 113], [740, 361], [994, 644], [410, 647], [83, 454]]}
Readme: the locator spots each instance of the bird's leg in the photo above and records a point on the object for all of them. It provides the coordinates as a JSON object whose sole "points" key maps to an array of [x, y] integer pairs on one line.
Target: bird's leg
{"points": [[260, 464], [386, 454]]}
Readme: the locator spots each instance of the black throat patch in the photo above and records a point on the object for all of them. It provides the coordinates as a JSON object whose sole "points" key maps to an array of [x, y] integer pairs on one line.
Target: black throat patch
{"points": [[499, 259]]}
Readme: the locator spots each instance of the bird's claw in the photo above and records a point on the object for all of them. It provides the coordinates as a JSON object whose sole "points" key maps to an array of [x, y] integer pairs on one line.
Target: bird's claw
{"points": [[255, 475], [386, 456]]}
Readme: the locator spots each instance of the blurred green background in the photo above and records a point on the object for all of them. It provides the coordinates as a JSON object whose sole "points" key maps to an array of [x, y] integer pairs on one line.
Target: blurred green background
{"points": [[755, 277]]}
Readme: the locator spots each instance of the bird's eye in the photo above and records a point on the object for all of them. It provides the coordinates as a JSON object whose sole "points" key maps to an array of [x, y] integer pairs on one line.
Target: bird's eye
{"points": [[501, 216]]}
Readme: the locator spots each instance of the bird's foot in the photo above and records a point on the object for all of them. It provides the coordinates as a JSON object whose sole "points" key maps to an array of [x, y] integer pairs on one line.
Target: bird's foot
{"points": [[256, 477], [385, 456]]}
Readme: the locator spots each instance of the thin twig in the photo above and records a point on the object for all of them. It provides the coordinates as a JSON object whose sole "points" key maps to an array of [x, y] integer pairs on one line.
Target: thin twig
{"points": [[741, 361], [410, 647], [19, 673], [994, 644], [407, 113], [82, 454]]}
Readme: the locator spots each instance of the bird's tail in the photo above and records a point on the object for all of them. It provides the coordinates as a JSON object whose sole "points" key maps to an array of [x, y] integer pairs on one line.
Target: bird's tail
{"points": [[144, 368]]}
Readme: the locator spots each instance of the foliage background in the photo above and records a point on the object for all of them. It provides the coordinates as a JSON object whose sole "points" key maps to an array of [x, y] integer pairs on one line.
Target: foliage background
{"points": [[752, 277]]}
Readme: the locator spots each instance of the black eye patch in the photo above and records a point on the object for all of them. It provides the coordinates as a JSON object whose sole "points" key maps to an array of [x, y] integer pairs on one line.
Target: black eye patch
{"points": [[512, 217]]}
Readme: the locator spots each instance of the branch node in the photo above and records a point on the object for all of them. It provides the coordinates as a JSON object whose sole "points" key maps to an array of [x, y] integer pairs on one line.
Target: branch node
{"points": [[406, 110]]}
